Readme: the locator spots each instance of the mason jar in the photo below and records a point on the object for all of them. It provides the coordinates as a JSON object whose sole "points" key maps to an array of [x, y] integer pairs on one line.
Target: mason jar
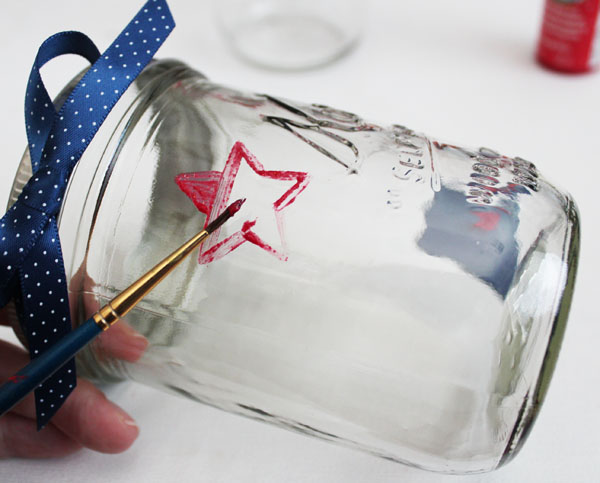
{"points": [[380, 288], [291, 35]]}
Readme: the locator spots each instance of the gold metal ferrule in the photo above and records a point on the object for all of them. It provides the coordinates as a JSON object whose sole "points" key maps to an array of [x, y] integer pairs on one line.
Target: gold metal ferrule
{"points": [[129, 298]]}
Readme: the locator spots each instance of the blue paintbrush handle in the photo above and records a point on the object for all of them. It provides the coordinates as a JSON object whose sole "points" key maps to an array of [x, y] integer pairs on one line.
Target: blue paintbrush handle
{"points": [[42, 367]]}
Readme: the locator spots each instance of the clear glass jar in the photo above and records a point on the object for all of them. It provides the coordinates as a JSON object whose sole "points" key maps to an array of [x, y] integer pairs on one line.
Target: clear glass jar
{"points": [[290, 35], [389, 292]]}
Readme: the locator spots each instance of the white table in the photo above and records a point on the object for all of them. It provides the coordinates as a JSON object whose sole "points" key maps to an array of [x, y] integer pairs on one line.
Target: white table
{"points": [[460, 70]]}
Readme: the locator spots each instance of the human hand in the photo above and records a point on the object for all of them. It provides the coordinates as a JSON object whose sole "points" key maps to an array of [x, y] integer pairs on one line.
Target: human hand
{"points": [[86, 419]]}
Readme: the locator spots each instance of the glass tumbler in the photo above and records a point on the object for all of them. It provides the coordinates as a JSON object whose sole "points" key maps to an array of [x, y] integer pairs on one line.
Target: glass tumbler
{"points": [[291, 35], [379, 288]]}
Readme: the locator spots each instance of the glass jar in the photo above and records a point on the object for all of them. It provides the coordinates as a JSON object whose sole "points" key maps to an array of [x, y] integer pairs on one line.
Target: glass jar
{"points": [[379, 288], [291, 35]]}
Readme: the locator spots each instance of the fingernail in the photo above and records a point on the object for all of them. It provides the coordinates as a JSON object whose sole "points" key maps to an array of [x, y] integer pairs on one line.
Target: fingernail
{"points": [[130, 331], [127, 420], [139, 342]]}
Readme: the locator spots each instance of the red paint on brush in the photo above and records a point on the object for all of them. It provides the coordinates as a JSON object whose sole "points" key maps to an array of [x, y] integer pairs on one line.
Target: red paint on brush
{"points": [[210, 192], [234, 207]]}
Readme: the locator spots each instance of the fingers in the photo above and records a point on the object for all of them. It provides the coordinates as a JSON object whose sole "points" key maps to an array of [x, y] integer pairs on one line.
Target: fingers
{"points": [[121, 342], [92, 420], [86, 417], [19, 438]]}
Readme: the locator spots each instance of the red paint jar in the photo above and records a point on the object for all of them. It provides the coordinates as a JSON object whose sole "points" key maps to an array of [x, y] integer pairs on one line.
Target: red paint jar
{"points": [[569, 40]]}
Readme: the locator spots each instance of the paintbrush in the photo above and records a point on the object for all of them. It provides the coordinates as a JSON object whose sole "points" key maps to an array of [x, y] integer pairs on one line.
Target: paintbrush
{"points": [[43, 366]]}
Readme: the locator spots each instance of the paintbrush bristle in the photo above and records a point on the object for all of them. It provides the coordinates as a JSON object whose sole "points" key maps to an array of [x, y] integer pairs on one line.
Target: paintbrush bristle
{"points": [[228, 212]]}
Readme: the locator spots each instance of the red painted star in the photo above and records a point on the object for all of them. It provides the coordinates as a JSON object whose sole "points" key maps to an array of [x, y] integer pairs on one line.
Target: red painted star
{"points": [[210, 192]]}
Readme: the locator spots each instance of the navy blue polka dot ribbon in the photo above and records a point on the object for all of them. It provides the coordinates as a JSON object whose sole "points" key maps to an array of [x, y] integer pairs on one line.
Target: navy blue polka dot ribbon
{"points": [[31, 264]]}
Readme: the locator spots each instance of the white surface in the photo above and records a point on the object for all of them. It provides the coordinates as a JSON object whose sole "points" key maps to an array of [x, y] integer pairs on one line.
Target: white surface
{"points": [[459, 70]]}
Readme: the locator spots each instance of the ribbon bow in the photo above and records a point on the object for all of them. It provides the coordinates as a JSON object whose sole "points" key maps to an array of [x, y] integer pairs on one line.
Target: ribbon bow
{"points": [[31, 265]]}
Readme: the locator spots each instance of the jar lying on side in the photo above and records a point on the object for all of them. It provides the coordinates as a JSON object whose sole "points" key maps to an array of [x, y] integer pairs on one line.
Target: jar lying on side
{"points": [[393, 293]]}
